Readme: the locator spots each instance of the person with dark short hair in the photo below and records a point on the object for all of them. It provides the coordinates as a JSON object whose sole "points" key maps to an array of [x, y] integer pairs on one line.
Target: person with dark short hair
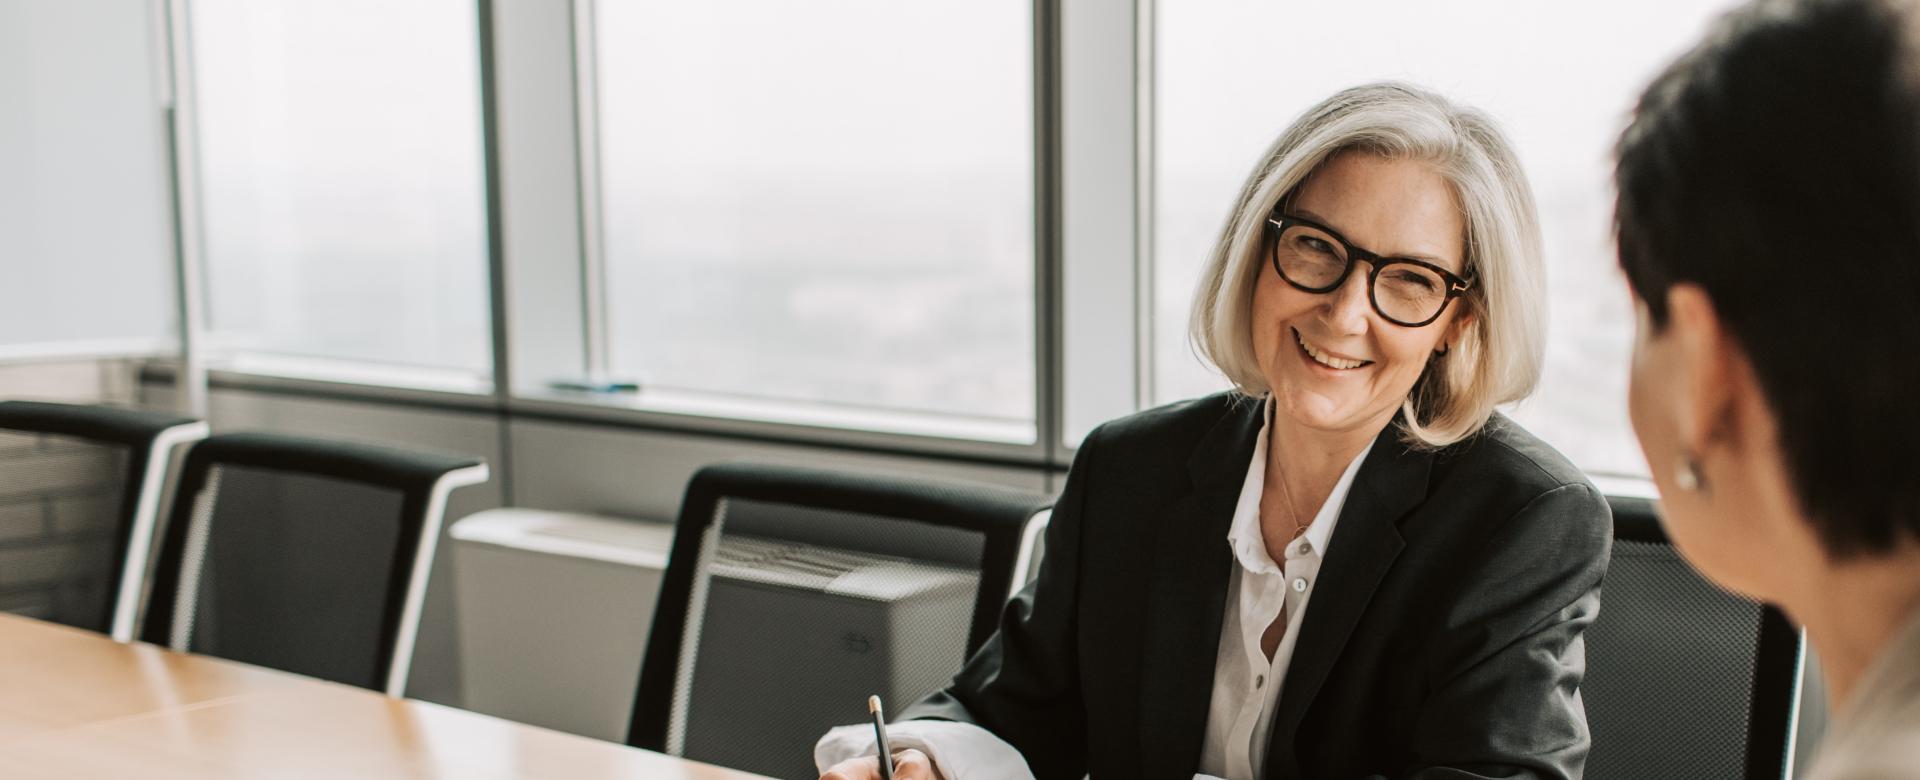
{"points": [[1769, 225]]}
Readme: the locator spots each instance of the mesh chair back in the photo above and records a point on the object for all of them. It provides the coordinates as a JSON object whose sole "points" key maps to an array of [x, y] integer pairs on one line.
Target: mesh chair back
{"points": [[1684, 680], [80, 489], [792, 594], [304, 555]]}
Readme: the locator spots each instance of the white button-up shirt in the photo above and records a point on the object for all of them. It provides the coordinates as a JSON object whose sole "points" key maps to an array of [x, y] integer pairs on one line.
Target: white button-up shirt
{"points": [[1246, 684]]}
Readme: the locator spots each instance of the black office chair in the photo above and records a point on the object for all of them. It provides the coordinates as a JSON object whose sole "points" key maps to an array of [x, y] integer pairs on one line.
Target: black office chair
{"points": [[80, 487], [1684, 680], [304, 555], [793, 593]]}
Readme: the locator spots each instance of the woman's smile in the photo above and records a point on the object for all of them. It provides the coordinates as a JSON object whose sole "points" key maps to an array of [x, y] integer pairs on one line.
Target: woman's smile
{"points": [[1338, 364]]}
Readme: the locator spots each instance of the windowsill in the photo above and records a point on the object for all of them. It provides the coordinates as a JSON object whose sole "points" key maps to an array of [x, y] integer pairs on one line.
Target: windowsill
{"points": [[658, 409], [792, 413], [655, 400], [82, 351], [434, 380]]}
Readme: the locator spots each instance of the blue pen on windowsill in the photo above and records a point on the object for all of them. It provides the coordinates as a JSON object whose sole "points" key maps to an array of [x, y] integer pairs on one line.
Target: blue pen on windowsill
{"points": [[603, 388], [880, 736]]}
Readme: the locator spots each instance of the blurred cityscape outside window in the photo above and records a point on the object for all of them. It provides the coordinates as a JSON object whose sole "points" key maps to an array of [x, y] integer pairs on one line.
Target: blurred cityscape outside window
{"points": [[823, 203], [1559, 77], [342, 183]]}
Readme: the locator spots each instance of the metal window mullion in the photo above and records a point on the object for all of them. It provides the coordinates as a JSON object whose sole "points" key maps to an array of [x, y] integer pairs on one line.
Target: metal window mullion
{"points": [[1049, 277], [1106, 270], [1145, 80], [183, 158], [593, 267], [496, 239], [490, 169]]}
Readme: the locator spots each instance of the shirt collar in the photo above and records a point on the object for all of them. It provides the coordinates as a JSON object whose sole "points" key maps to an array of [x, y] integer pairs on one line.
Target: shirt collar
{"points": [[1244, 536], [1888, 682]]}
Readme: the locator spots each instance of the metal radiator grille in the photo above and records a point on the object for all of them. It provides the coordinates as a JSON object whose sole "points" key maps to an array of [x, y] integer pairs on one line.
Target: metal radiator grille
{"points": [[786, 639]]}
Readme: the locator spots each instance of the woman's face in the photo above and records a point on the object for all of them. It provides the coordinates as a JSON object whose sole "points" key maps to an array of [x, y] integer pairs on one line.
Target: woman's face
{"points": [[1333, 363]]}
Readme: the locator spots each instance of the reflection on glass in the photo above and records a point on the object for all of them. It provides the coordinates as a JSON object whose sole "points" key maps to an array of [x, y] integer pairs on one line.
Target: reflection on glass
{"points": [[821, 202], [1560, 77], [342, 180]]}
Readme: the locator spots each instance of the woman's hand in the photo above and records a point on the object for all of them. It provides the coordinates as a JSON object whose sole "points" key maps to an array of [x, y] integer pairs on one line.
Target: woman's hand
{"points": [[908, 764]]}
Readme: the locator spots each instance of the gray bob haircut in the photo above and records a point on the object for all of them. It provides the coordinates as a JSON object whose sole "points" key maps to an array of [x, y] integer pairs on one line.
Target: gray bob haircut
{"points": [[1497, 358]]}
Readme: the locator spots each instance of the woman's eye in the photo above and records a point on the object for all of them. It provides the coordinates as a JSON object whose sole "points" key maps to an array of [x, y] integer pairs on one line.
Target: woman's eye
{"points": [[1317, 245], [1412, 280]]}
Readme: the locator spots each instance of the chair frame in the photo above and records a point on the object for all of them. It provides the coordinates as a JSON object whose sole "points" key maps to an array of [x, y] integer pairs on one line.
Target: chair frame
{"points": [[424, 480], [972, 507], [1779, 656], [151, 438]]}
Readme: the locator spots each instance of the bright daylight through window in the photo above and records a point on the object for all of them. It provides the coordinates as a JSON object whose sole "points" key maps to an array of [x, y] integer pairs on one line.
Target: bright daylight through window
{"points": [[822, 204], [342, 187], [1560, 77]]}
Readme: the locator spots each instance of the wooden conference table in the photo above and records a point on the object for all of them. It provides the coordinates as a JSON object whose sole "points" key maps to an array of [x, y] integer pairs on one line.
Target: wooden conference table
{"points": [[75, 704]]}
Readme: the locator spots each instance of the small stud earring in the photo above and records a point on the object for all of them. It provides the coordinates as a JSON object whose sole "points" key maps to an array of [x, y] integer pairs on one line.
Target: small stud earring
{"points": [[1688, 477]]}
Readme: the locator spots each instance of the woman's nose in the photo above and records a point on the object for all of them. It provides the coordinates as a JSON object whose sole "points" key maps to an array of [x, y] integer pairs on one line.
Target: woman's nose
{"points": [[1348, 305]]}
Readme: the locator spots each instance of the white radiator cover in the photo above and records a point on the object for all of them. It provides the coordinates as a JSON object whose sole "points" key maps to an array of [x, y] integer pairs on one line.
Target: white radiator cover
{"points": [[554, 610]]}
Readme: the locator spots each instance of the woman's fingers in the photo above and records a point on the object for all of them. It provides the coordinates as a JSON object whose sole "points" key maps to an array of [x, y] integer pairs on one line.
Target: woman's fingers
{"points": [[912, 764], [866, 768], [908, 764]]}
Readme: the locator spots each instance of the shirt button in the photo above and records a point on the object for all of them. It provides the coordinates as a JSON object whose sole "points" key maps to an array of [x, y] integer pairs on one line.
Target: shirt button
{"points": [[1259, 680], [1300, 585], [1304, 548]]}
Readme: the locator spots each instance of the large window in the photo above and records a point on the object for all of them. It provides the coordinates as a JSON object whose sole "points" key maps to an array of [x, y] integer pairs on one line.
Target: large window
{"points": [[1561, 78], [820, 219], [342, 185], [822, 204], [85, 266]]}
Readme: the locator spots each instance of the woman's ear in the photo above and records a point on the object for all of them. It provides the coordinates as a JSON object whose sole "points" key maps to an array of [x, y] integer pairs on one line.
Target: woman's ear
{"points": [[1708, 359], [1456, 330]]}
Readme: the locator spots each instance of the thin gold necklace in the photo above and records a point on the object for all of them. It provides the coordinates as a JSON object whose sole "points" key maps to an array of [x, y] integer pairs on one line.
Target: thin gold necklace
{"points": [[1293, 511]]}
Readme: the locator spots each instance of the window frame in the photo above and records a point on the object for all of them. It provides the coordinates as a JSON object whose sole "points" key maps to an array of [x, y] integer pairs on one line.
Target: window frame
{"points": [[1094, 85], [566, 254]]}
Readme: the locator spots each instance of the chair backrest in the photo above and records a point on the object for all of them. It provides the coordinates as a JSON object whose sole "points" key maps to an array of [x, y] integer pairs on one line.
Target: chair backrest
{"points": [[1684, 680], [791, 594], [80, 488], [305, 555]]}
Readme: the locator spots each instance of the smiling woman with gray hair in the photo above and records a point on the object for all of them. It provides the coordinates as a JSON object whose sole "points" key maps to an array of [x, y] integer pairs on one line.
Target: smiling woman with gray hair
{"points": [[1348, 566], [1502, 331]]}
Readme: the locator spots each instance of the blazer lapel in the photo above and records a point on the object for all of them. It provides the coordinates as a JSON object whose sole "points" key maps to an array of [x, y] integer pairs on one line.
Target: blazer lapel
{"points": [[1187, 596], [1364, 545]]}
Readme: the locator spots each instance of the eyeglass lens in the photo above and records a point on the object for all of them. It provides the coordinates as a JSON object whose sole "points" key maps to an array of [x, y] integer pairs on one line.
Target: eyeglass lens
{"points": [[1316, 261]]}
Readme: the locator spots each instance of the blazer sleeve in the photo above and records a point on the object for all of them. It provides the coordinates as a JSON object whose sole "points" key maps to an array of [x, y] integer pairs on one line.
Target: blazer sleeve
{"points": [[1024, 683], [1507, 665]]}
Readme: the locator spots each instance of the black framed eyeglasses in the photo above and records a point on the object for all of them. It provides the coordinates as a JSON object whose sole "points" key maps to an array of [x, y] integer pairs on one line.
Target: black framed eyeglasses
{"points": [[1317, 259]]}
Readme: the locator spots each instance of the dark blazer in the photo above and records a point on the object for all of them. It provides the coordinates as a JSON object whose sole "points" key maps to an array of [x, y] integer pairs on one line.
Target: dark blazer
{"points": [[1442, 640]]}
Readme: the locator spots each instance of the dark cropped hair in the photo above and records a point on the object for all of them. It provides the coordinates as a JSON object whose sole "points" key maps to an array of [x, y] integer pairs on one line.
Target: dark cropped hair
{"points": [[1777, 166]]}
